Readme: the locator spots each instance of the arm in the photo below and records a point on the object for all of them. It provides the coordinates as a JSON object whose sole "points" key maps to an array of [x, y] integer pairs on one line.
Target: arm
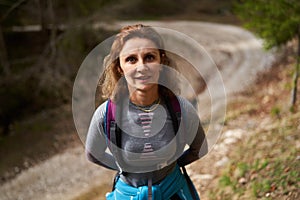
{"points": [[194, 135], [96, 141], [196, 150]]}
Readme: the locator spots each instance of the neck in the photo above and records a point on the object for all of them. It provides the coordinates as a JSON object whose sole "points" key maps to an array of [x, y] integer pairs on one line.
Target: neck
{"points": [[144, 98]]}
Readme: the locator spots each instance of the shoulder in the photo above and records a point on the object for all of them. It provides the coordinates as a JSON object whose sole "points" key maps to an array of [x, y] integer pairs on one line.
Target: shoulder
{"points": [[185, 105], [99, 113], [188, 112]]}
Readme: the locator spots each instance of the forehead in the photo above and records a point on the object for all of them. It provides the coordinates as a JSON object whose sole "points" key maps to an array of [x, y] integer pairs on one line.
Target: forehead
{"points": [[136, 45]]}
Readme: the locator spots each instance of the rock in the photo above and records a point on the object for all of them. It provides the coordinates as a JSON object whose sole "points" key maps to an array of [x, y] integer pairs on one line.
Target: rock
{"points": [[222, 162], [230, 141], [235, 133], [242, 181]]}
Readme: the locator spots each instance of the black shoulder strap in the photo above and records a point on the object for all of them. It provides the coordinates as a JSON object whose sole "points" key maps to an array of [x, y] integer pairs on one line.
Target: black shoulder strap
{"points": [[173, 107], [190, 183]]}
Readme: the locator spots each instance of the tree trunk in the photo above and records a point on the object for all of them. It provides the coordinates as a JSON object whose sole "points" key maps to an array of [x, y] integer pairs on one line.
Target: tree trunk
{"points": [[3, 54], [296, 74], [53, 29], [48, 22], [43, 15]]}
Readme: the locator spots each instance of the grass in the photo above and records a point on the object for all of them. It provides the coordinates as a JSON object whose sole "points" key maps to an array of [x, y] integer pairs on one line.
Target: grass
{"points": [[265, 166], [266, 163]]}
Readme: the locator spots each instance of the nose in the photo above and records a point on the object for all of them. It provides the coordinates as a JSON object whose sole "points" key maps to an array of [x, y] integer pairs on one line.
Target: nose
{"points": [[141, 66]]}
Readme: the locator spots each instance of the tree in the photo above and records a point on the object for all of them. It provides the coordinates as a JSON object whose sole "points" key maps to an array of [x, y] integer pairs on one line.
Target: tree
{"points": [[4, 63], [277, 22], [3, 54], [38, 73]]}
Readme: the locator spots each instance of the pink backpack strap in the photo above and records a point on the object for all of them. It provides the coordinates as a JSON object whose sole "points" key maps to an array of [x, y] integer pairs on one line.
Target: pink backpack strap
{"points": [[175, 104], [110, 116]]}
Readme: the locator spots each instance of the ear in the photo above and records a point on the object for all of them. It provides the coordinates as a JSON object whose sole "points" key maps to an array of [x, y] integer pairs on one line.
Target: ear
{"points": [[164, 59], [120, 71]]}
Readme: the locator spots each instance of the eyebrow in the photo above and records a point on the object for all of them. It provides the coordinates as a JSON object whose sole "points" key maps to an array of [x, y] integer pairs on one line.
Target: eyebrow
{"points": [[151, 50]]}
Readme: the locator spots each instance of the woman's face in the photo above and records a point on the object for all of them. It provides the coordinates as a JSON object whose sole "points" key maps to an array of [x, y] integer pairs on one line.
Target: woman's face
{"points": [[140, 62]]}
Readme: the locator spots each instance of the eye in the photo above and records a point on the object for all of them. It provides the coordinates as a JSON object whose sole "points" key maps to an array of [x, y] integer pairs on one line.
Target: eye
{"points": [[149, 57], [130, 59]]}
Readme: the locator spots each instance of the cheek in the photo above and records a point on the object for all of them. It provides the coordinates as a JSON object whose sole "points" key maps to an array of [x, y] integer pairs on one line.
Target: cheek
{"points": [[128, 71], [125, 68], [155, 67]]}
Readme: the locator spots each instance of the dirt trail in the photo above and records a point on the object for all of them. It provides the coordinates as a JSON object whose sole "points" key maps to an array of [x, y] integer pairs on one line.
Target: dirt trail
{"points": [[239, 56]]}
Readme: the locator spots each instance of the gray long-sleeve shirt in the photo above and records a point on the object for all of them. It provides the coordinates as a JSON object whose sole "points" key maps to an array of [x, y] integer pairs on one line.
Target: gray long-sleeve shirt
{"points": [[148, 143]]}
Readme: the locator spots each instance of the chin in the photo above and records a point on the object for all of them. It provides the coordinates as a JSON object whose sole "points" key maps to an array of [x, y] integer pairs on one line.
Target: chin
{"points": [[146, 87]]}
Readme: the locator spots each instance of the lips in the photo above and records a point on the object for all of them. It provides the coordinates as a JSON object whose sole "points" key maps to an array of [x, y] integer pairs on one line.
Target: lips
{"points": [[143, 78]]}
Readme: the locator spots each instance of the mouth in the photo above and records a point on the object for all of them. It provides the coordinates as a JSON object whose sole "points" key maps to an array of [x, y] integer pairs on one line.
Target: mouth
{"points": [[143, 78]]}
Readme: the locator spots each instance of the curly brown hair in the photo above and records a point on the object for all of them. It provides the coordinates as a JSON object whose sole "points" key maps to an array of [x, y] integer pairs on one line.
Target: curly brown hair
{"points": [[112, 70]]}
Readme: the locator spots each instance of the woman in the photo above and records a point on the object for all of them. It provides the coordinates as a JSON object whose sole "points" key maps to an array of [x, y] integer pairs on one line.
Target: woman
{"points": [[151, 131]]}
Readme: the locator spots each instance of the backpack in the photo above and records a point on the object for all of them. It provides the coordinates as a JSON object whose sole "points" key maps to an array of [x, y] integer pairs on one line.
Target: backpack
{"points": [[114, 135]]}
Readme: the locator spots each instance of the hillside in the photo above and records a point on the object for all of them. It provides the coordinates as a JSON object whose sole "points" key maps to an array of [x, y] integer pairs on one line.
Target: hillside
{"points": [[258, 154]]}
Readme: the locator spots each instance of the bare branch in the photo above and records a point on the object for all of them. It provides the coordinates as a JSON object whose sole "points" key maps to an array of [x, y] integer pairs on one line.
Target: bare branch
{"points": [[11, 9]]}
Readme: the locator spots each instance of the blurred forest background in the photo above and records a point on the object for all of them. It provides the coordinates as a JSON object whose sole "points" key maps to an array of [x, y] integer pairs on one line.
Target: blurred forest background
{"points": [[42, 45], [43, 42]]}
